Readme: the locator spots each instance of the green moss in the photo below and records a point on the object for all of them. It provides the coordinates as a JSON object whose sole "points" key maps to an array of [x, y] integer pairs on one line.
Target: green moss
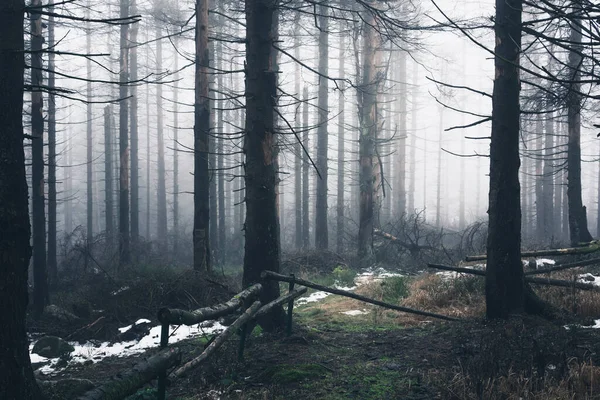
{"points": [[286, 373]]}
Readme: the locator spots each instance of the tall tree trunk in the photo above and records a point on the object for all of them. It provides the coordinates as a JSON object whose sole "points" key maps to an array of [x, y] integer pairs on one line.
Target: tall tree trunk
{"points": [[504, 272], [148, 152], [108, 176], [548, 183], [578, 229], [67, 210], [305, 174], [135, 170], [438, 206], [16, 375], [539, 178], [40, 280], [220, 142], [367, 93], [161, 201], [525, 227], [176, 148], [298, 145], [52, 263], [262, 250], [124, 251], [212, 160], [413, 141], [400, 188], [321, 228], [202, 259], [341, 151], [89, 142]]}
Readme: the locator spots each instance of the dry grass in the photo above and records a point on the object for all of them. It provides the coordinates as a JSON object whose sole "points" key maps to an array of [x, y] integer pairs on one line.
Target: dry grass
{"points": [[584, 303]]}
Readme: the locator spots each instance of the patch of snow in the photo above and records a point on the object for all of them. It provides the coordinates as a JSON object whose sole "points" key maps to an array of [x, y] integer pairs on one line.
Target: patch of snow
{"points": [[313, 297], [544, 261], [355, 312], [122, 289], [139, 321], [595, 326], [94, 351], [374, 274], [449, 275], [36, 358], [589, 278]]}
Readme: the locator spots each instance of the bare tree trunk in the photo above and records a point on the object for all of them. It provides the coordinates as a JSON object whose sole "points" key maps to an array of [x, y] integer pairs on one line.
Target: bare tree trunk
{"points": [[504, 273], [413, 142], [548, 183], [367, 93], [176, 148], [124, 251], [40, 280], [148, 153], [262, 250], [298, 145], [305, 175], [202, 259], [341, 150], [51, 260], [135, 195], [220, 142], [400, 188], [161, 202], [214, 244], [108, 175], [524, 195], [67, 210], [321, 228], [89, 146], [16, 380], [539, 178], [578, 229], [438, 206]]}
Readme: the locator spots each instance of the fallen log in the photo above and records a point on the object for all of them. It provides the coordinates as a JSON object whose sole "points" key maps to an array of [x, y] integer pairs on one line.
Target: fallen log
{"points": [[178, 317], [280, 300], [400, 242], [218, 342], [562, 267], [530, 279], [128, 382], [590, 247], [282, 278]]}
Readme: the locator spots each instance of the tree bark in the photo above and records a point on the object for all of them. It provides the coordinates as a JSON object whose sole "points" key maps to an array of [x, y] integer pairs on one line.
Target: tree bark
{"points": [[539, 179], [413, 141], [176, 147], [305, 174], [341, 150], [547, 181], [51, 259], [135, 169], [367, 93], [108, 175], [202, 259], [400, 188], [578, 229], [124, 250], [161, 201], [40, 280], [262, 250], [16, 375], [88, 135], [220, 142], [504, 284], [321, 228], [298, 145]]}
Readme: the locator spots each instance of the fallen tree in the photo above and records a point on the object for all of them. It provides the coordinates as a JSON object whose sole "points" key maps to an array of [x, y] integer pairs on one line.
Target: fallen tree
{"points": [[177, 316], [586, 248], [128, 382], [283, 278], [249, 314], [264, 310], [562, 267], [530, 279]]}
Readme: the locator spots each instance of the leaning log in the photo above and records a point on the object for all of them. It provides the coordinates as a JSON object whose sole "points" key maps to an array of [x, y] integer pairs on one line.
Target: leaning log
{"points": [[128, 382], [281, 300], [530, 279], [590, 247], [562, 267], [282, 278], [219, 341], [178, 317]]}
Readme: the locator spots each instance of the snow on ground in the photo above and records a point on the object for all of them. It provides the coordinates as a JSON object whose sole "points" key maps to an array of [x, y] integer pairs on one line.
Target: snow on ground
{"points": [[355, 312], [589, 278], [94, 351], [313, 297], [128, 327]]}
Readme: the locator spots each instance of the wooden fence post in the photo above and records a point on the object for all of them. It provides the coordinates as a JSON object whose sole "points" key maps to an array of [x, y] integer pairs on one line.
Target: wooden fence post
{"points": [[290, 308], [162, 376]]}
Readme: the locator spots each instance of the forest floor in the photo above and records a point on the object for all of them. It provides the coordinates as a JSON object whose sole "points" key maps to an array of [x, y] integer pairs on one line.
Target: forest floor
{"points": [[343, 349]]}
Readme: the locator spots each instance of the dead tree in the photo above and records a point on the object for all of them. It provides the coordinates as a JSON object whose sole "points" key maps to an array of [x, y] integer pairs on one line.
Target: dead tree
{"points": [[124, 250], [135, 185]]}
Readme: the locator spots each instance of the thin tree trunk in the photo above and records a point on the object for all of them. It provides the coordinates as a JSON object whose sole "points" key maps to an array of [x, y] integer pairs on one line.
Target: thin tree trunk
{"points": [[161, 201], [16, 380], [548, 183], [40, 280], [262, 250], [148, 153], [413, 142], [524, 192], [578, 229], [51, 260], [124, 251], [321, 228], [539, 178], [176, 148], [438, 206], [504, 282], [367, 93], [400, 188], [214, 217], [108, 175], [298, 145], [135, 196], [202, 259], [220, 142], [89, 142], [341, 151], [67, 210], [305, 174]]}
